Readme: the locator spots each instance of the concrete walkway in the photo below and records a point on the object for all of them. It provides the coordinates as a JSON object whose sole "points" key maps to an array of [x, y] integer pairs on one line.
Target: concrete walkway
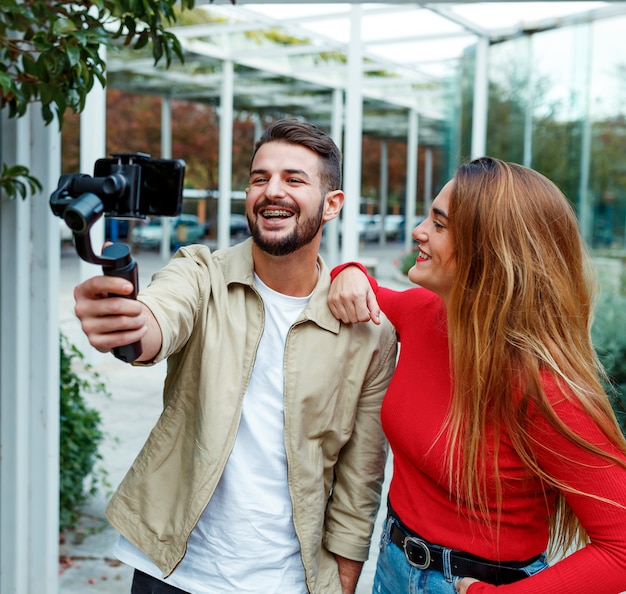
{"points": [[87, 565]]}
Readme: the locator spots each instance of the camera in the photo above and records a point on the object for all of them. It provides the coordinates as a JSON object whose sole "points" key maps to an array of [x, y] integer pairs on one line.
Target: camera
{"points": [[128, 185]]}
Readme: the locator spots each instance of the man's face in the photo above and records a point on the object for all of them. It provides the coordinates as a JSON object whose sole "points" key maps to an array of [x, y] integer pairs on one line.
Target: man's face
{"points": [[285, 203]]}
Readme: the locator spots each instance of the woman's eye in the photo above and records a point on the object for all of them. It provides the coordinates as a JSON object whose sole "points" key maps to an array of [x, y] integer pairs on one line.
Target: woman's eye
{"points": [[438, 225]]}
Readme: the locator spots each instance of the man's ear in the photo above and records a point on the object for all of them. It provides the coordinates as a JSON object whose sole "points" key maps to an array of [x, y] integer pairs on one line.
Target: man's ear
{"points": [[334, 203]]}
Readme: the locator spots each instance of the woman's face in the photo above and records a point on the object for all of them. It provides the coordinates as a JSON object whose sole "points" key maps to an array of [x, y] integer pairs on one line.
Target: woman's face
{"points": [[435, 265]]}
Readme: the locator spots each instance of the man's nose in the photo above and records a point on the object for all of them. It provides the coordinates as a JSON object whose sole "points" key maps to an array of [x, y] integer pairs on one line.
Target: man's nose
{"points": [[274, 187]]}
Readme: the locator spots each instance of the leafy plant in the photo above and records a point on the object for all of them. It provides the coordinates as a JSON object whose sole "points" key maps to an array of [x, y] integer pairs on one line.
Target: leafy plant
{"points": [[80, 435], [50, 52], [609, 337], [407, 262], [17, 180]]}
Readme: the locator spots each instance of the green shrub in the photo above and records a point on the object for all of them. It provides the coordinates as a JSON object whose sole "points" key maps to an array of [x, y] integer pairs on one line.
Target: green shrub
{"points": [[609, 338], [407, 262], [80, 435]]}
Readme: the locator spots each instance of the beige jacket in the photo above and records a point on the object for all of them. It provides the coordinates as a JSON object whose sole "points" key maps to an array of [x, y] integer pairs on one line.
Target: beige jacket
{"points": [[336, 375]]}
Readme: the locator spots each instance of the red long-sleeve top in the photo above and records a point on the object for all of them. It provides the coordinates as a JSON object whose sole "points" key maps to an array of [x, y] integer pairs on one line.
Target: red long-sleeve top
{"points": [[413, 411]]}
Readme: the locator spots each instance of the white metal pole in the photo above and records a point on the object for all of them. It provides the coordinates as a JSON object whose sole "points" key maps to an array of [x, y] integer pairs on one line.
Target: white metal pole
{"points": [[225, 155], [15, 361], [331, 231], [166, 153], [530, 100], [428, 179], [411, 179], [92, 147], [43, 501], [481, 97], [584, 90], [383, 188], [353, 139]]}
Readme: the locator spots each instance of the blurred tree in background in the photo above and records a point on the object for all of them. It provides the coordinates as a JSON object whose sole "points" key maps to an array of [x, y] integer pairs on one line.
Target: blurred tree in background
{"points": [[50, 54]]}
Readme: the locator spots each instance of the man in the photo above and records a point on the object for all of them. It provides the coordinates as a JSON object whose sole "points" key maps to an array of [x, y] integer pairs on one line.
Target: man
{"points": [[263, 473]]}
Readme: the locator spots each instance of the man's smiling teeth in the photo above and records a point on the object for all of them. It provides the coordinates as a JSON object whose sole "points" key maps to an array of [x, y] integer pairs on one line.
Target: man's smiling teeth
{"points": [[276, 214]]}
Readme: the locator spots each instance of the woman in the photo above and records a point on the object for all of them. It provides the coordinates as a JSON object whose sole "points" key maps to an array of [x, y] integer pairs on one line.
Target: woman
{"points": [[503, 437]]}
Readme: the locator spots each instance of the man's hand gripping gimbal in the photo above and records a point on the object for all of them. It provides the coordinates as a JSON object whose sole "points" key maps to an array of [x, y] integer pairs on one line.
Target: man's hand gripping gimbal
{"points": [[130, 185]]}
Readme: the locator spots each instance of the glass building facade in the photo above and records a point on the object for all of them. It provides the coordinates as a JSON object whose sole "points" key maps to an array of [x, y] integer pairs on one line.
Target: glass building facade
{"points": [[557, 103]]}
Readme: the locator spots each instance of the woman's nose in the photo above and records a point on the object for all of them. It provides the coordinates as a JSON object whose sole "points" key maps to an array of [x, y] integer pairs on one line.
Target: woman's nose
{"points": [[418, 233]]}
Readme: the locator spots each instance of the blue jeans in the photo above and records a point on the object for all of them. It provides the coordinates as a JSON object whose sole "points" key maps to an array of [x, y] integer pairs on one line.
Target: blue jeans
{"points": [[395, 575]]}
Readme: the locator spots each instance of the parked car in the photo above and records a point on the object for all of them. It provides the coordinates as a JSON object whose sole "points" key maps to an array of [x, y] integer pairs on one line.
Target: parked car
{"points": [[184, 229], [238, 226]]}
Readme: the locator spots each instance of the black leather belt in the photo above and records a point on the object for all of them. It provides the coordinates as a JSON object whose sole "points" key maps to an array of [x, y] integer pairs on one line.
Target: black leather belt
{"points": [[424, 555]]}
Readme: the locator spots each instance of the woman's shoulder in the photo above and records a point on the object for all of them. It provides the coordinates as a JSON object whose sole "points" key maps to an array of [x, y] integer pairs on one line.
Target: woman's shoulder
{"points": [[410, 307], [414, 295]]}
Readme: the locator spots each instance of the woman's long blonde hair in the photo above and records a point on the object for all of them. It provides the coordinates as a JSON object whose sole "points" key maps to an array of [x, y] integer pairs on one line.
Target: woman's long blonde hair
{"points": [[522, 303]]}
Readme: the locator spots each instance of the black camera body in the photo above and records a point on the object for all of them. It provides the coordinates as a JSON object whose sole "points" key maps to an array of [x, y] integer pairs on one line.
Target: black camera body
{"points": [[129, 185], [155, 186]]}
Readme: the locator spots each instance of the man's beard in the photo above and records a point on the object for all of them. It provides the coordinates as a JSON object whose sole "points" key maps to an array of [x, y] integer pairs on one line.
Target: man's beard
{"points": [[302, 235]]}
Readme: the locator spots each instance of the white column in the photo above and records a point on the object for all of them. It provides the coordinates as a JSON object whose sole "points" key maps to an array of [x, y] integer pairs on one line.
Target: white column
{"points": [[225, 164], [428, 179], [582, 86], [166, 153], [258, 126], [383, 188], [331, 232], [530, 102], [411, 179], [15, 360], [481, 98], [353, 139], [92, 148], [44, 364], [29, 364]]}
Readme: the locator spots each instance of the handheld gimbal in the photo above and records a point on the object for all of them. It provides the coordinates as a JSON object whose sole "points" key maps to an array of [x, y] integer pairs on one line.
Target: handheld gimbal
{"points": [[131, 185]]}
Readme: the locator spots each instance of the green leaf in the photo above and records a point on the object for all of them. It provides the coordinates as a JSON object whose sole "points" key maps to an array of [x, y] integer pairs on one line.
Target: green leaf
{"points": [[63, 26], [16, 181], [73, 55], [143, 39], [6, 82], [157, 49]]}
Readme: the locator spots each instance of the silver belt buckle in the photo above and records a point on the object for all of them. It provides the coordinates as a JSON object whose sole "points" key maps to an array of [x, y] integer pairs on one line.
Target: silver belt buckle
{"points": [[419, 543]]}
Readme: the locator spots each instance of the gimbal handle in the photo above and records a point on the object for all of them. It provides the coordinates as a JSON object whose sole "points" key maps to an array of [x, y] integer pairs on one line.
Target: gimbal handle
{"points": [[115, 260]]}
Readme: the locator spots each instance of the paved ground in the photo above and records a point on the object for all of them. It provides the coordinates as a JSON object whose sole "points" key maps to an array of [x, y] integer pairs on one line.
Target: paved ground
{"points": [[127, 416]]}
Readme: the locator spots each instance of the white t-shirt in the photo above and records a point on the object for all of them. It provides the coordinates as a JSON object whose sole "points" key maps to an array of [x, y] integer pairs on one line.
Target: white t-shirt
{"points": [[245, 540]]}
